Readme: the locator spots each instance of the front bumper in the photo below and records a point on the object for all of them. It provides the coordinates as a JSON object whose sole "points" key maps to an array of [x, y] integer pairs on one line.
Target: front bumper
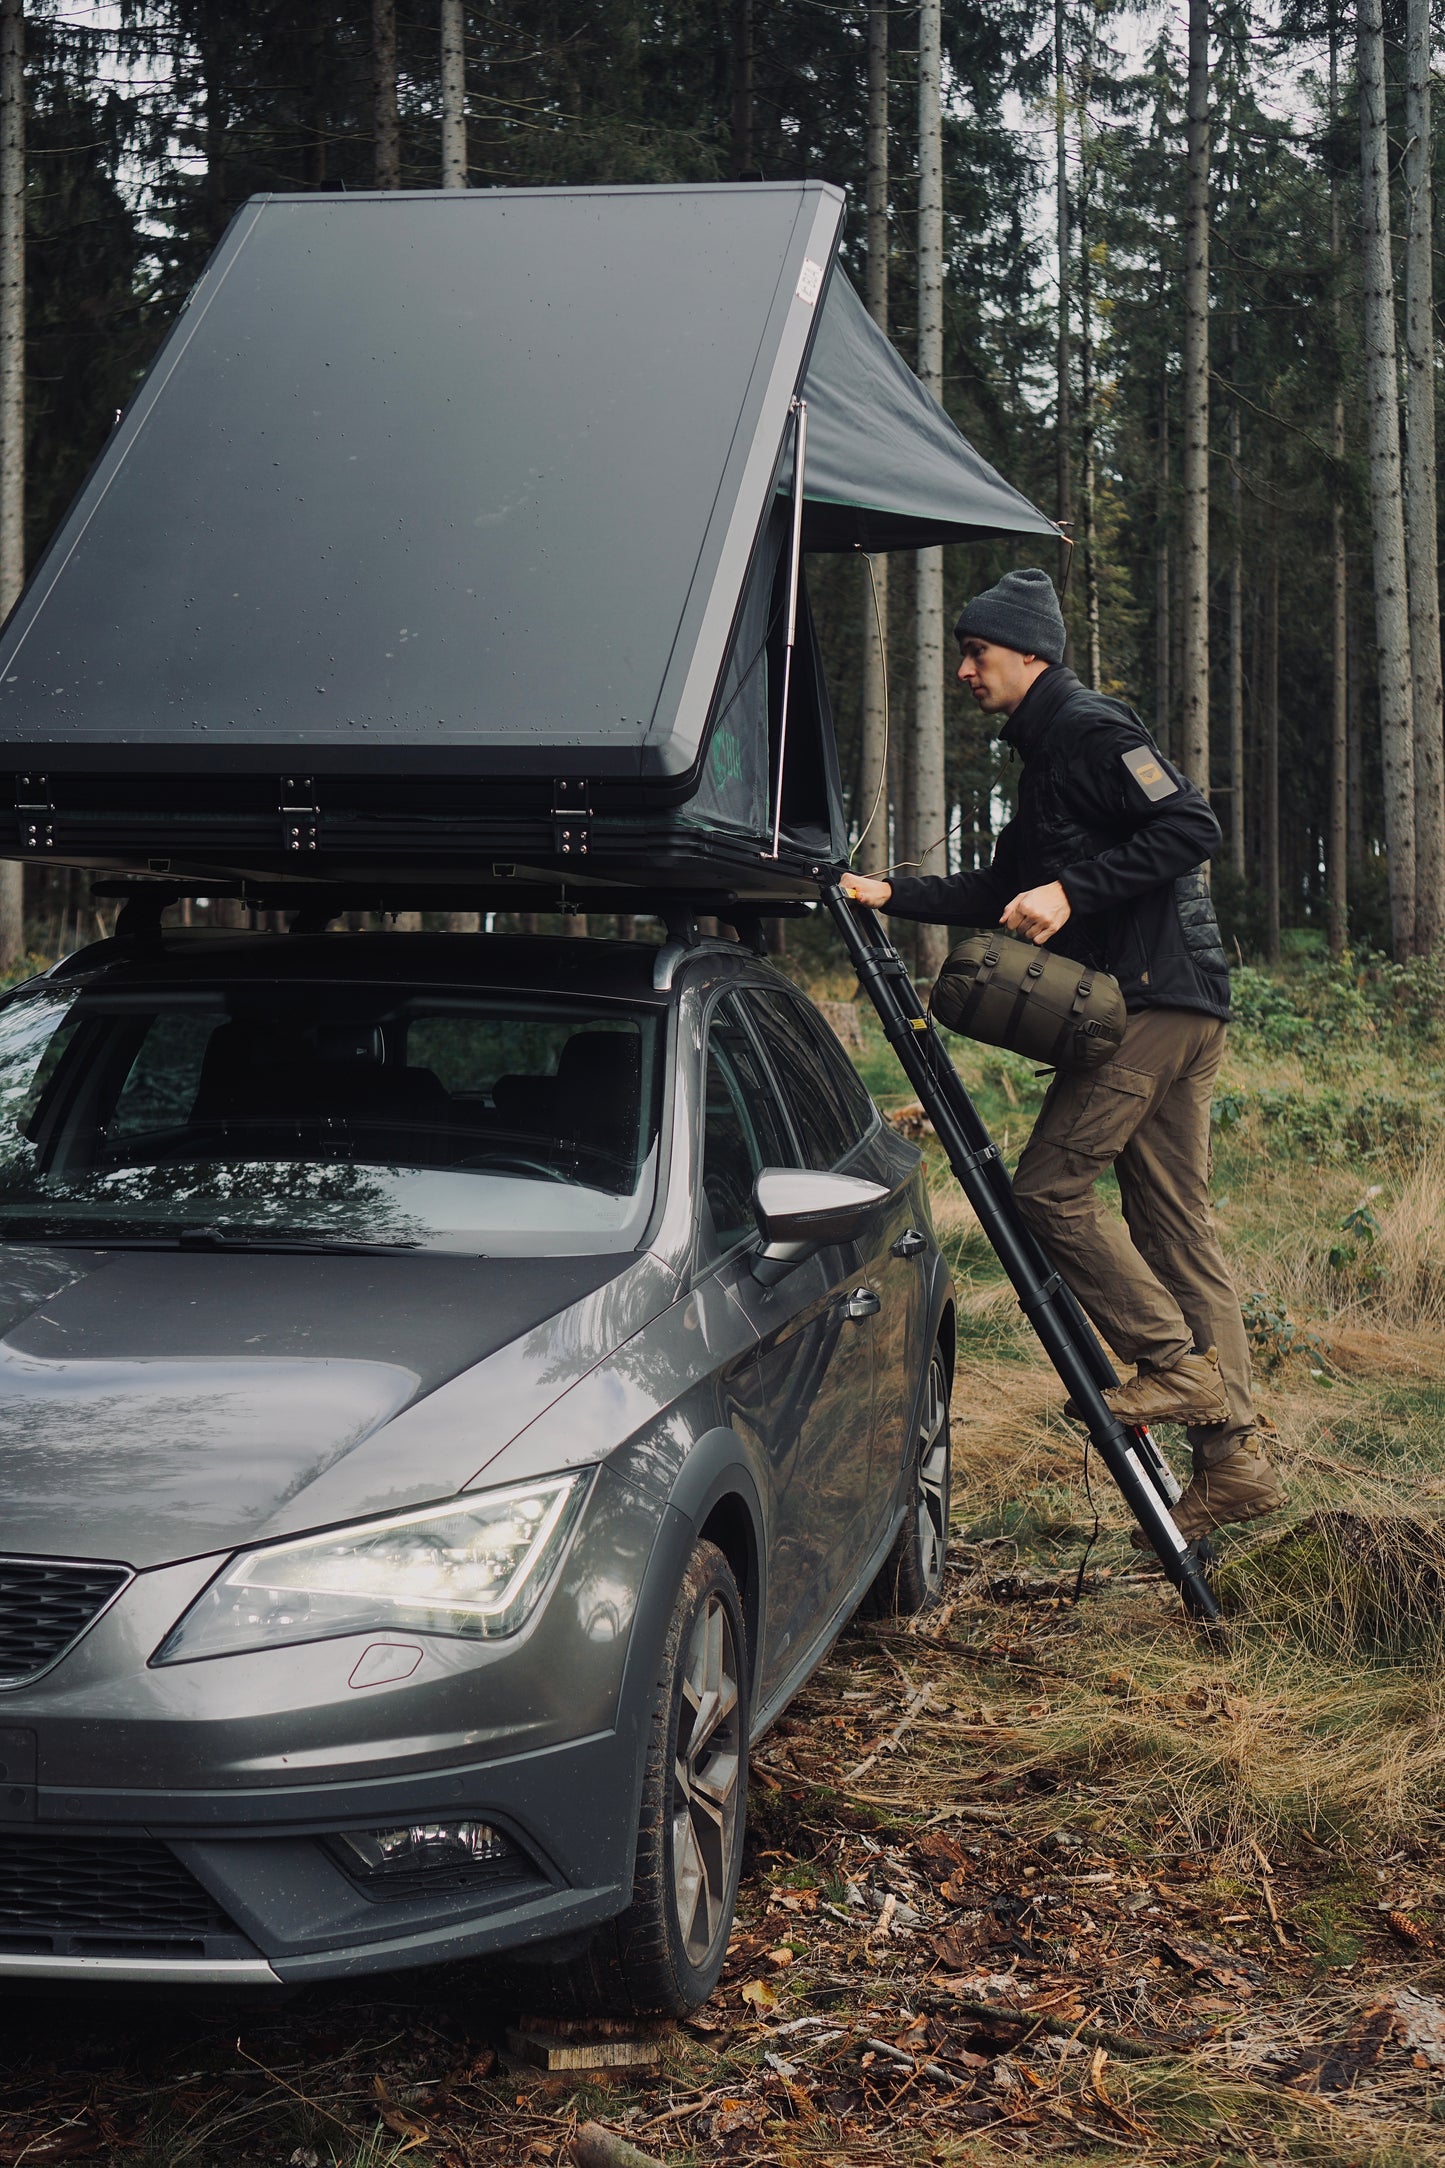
{"points": [[243, 1890]]}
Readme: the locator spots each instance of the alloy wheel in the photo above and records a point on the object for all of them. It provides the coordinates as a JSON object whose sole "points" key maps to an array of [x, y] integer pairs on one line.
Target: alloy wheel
{"points": [[705, 1788], [933, 1476]]}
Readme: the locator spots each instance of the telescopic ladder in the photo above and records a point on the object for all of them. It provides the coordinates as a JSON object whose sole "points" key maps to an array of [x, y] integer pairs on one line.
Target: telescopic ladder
{"points": [[1148, 1484]]}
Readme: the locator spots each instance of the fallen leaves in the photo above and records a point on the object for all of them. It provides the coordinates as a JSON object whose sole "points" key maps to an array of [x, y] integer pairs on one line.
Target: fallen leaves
{"points": [[1204, 1962]]}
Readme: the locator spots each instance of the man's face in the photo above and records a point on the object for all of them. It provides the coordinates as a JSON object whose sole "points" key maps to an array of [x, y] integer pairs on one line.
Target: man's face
{"points": [[998, 677]]}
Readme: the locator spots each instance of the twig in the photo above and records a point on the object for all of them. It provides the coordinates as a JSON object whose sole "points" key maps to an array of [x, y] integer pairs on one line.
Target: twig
{"points": [[1092, 2036], [935, 2071], [349, 2128], [937, 1625], [1266, 1873], [915, 1708]]}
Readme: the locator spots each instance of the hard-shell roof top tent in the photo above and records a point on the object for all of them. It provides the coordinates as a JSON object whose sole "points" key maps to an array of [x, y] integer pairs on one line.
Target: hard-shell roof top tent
{"points": [[449, 537]]}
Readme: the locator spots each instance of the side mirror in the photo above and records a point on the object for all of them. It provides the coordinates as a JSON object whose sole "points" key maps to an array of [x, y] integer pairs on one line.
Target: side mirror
{"points": [[799, 1212]]}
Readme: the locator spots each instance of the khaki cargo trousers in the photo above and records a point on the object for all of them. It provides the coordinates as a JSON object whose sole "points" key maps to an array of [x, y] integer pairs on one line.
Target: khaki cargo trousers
{"points": [[1155, 1283]]}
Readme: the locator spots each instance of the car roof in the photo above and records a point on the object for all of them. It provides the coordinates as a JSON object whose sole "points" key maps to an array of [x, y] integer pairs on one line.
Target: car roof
{"points": [[618, 970]]}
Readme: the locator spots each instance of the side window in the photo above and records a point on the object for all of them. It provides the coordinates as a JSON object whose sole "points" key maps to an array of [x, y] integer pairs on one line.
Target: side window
{"points": [[853, 1094], [743, 1131], [829, 1114]]}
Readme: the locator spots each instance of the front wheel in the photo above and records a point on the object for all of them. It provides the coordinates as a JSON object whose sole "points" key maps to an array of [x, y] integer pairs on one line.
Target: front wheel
{"points": [[666, 1950], [912, 1575]]}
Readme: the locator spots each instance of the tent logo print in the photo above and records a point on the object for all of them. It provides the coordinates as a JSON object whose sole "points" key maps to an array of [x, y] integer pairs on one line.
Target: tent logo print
{"points": [[810, 281], [726, 759]]}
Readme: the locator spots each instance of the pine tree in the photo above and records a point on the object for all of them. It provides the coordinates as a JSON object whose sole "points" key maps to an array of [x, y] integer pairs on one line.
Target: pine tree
{"points": [[1392, 624]]}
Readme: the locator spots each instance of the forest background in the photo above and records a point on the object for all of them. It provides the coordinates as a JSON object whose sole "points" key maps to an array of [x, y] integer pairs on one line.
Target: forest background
{"points": [[1166, 329]]}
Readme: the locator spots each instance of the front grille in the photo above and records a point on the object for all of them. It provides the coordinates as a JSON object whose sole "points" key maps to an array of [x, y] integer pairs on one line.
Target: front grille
{"points": [[45, 1606], [102, 1896]]}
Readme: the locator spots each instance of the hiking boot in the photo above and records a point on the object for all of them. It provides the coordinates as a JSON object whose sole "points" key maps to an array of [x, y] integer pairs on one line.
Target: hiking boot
{"points": [[1240, 1487], [1189, 1391]]}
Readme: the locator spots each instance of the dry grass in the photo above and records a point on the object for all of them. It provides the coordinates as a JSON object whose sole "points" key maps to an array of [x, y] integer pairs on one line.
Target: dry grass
{"points": [[1412, 1245]]}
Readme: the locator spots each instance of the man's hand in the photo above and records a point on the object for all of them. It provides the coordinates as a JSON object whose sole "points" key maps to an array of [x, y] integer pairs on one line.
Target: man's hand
{"points": [[864, 890], [1039, 912]]}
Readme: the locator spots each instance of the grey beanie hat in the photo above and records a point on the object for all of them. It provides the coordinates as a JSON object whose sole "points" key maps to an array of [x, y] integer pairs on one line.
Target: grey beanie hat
{"points": [[1021, 612]]}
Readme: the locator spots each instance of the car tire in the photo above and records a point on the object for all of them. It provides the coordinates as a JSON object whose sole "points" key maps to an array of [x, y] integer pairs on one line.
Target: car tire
{"points": [[911, 1578], [665, 1952]]}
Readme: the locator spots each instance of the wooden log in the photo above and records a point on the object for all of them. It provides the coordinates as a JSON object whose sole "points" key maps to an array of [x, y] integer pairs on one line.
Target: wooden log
{"points": [[594, 2147]]}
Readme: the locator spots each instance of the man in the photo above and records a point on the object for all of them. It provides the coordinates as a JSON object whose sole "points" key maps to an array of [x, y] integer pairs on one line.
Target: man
{"points": [[1104, 861]]}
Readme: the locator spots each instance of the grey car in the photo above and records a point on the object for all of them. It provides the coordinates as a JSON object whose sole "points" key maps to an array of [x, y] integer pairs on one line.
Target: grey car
{"points": [[453, 1391]]}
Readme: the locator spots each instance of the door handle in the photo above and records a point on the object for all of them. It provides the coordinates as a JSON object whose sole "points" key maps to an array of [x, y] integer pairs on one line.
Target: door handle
{"points": [[861, 1303], [911, 1244]]}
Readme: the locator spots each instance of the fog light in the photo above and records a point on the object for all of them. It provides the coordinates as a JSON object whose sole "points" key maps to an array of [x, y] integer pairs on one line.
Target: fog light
{"points": [[415, 1858], [423, 1845]]}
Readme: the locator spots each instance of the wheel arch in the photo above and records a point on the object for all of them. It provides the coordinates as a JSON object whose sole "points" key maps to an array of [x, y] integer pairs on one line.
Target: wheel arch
{"points": [[717, 1493]]}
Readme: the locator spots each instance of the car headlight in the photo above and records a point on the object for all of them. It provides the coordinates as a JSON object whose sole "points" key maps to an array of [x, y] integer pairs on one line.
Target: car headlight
{"points": [[475, 1567]]}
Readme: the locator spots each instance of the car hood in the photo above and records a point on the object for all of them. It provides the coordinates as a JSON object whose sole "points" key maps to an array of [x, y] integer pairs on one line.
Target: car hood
{"points": [[157, 1405]]}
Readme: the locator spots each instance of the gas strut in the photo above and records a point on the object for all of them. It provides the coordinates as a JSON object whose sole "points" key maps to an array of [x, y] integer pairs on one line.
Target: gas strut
{"points": [[1148, 1484]]}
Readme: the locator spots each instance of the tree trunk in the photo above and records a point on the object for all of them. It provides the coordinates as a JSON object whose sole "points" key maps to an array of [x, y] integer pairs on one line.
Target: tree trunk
{"points": [[1194, 684], [744, 156], [385, 125], [214, 118], [454, 95], [1337, 853], [1163, 574], [873, 848], [1237, 856], [1420, 504], [1270, 705], [902, 740], [1354, 748], [12, 390], [929, 794], [1064, 418], [1086, 415], [1392, 624]]}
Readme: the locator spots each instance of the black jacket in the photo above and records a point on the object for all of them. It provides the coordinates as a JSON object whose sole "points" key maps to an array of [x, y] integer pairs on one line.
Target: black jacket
{"points": [[1127, 834]]}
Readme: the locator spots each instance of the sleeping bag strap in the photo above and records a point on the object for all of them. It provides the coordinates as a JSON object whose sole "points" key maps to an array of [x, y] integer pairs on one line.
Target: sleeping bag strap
{"points": [[981, 980], [1069, 1030], [1029, 981]]}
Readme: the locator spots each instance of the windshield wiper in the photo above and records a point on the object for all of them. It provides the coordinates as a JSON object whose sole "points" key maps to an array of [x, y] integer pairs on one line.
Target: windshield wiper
{"points": [[212, 1239], [224, 1238]]}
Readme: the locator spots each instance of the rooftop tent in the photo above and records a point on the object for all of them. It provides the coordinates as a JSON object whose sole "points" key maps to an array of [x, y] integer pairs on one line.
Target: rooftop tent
{"points": [[446, 530]]}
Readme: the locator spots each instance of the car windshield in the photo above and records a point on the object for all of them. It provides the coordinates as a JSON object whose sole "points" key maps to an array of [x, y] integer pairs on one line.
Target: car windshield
{"points": [[327, 1112]]}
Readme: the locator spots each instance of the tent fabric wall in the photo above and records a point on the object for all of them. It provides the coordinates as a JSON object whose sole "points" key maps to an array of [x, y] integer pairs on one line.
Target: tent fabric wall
{"points": [[734, 782]]}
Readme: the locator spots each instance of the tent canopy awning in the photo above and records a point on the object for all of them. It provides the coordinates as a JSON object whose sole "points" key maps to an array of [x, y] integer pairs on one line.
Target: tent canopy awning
{"points": [[885, 468]]}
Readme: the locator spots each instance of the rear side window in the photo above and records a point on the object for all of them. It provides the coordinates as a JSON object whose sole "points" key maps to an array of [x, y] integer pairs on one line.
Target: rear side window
{"points": [[743, 1132], [161, 1086], [829, 1104]]}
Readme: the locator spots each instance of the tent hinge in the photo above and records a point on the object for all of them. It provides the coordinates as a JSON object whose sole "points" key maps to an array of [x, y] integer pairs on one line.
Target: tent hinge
{"points": [[571, 816], [300, 814], [35, 811]]}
